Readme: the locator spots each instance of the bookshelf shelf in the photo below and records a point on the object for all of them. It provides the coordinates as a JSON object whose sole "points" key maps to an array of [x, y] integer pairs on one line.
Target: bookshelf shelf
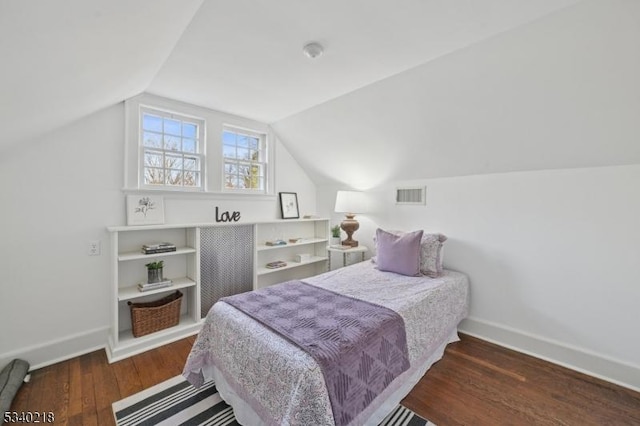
{"points": [[136, 255], [132, 292]]}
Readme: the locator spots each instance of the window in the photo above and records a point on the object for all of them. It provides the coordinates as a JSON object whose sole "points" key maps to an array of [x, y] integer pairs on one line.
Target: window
{"points": [[245, 160], [178, 147], [172, 154]]}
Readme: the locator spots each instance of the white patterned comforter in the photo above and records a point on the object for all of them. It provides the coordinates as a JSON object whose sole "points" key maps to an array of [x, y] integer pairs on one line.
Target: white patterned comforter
{"points": [[282, 383]]}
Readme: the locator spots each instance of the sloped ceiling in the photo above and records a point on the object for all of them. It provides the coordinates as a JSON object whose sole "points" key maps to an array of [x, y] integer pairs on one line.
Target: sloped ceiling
{"points": [[62, 60], [561, 92], [245, 56]]}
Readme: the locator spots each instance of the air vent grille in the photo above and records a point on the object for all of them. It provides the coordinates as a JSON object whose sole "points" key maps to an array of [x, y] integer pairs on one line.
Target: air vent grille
{"points": [[413, 195]]}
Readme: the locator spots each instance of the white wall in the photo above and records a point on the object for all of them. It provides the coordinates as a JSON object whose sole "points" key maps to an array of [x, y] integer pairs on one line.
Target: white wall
{"points": [[552, 257], [62, 191]]}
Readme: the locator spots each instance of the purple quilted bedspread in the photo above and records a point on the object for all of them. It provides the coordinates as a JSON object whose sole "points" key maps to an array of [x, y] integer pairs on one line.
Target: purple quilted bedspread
{"points": [[360, 347]]}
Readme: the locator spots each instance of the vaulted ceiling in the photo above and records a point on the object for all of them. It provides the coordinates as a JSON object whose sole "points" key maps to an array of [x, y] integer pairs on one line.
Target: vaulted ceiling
{"points": [[409, 88], [62, 60]]}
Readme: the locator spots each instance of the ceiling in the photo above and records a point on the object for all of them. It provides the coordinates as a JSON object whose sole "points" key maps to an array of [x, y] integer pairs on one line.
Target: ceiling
{"points": [[64, 60], [245, 56]]}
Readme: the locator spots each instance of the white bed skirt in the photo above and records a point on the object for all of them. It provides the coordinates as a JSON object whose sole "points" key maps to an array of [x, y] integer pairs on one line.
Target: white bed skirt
{"points": [[372, 415]]}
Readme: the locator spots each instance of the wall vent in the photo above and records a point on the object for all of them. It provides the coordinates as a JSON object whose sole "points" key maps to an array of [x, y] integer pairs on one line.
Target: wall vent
{"points": [[412, 196]]}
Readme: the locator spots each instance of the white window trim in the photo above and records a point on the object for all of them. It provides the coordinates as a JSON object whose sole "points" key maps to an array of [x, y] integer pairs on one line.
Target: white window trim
{"points": [[201, 149], [214, 163], [264, 142]]}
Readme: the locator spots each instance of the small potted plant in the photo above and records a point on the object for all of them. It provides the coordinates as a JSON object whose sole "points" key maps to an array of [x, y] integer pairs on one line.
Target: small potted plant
{"points": [[335, 235], [154, 271]]}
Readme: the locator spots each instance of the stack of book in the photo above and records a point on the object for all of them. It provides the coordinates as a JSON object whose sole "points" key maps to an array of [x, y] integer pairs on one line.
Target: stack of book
{"points": [[158, 248], [153, 286], [276, 243], [276, 264]]}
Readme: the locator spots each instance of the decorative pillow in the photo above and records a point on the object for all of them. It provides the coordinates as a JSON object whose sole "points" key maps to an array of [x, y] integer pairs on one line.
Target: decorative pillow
{"points": [[431, 256], [398, 253]]}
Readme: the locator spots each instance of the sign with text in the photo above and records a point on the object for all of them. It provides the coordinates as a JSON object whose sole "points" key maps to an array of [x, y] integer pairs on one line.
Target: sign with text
{"points": [[227, 216]]}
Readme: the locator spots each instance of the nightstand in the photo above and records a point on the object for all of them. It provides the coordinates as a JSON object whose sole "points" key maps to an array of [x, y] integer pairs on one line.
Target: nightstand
{"points": [[346, 253]]}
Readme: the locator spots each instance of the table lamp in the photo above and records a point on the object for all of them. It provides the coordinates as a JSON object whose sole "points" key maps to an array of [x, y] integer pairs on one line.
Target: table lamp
{"points": [[350, 203]]}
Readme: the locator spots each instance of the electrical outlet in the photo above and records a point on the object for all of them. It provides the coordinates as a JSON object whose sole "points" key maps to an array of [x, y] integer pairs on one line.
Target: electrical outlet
{"points": [[94, 248]]}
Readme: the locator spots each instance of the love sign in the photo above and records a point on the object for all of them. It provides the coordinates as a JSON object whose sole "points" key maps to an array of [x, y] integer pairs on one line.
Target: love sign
{"points": [[227, 216]]}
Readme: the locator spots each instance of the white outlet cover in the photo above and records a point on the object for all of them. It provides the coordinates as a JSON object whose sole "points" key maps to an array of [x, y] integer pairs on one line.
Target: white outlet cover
{"points": [[94, 248]]}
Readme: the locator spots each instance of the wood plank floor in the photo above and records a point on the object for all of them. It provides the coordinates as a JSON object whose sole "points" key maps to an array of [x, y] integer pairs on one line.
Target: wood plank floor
{"points": [[475, 383]]}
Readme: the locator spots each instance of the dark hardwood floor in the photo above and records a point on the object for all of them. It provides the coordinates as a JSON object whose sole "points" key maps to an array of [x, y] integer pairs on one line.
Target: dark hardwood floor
{"points": [[475, 383]]}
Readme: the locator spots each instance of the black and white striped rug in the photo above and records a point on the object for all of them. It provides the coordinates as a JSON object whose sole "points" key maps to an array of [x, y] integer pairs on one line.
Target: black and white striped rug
{"points": [[176, 402]]}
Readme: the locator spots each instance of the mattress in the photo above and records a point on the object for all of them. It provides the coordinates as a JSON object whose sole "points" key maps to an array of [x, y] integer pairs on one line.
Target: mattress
{"points": [[270, 381]]}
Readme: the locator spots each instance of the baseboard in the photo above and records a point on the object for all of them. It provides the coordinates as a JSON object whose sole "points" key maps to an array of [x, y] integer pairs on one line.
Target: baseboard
{"points": [[574, 358], [54, 351]]}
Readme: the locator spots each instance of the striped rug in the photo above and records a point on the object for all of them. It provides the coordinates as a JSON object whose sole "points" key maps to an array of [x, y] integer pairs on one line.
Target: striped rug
{"points": [[176, 402]]}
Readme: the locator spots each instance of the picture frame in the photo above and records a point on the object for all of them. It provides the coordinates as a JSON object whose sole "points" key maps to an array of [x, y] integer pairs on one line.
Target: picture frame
{"points": [[289, 205], [145, 210]]}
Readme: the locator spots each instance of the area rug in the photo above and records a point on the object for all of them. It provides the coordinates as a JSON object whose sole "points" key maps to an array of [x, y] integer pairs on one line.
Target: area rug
{"points": [[176, 402]]}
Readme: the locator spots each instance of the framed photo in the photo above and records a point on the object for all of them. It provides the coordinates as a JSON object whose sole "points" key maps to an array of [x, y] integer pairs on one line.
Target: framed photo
{"points": [[289, 205], [145, 210]]}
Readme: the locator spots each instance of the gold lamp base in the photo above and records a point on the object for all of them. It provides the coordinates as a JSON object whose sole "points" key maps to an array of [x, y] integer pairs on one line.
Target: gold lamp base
{"points": [[350, 225]]}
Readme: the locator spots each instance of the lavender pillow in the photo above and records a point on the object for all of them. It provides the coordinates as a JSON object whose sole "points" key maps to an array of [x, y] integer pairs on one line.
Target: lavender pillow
{"points": [[430, 253], [399, 253]]}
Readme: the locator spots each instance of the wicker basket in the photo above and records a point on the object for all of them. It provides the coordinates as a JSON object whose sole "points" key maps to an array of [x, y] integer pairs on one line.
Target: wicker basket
{"points": [[150, 317]]}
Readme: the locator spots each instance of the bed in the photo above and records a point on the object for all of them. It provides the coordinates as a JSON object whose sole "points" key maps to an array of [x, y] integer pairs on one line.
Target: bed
{"points": [[270, 381]]}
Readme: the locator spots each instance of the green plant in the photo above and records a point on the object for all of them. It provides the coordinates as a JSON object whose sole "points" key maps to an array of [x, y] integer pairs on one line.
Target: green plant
{"points": [[155, 265], [335, 231]]}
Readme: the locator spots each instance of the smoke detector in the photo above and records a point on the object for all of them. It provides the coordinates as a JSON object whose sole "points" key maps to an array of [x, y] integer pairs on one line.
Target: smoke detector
{"points": [[313, 50]]}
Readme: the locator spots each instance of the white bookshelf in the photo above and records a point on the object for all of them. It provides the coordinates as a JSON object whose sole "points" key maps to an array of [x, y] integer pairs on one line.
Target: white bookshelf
{"points": [[313, 235], [128, 269], [183, 268]]}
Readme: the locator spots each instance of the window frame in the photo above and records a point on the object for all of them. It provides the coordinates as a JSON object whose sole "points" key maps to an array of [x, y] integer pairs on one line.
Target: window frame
{"points": [[200, 149], [263, 162], [213, 163]]}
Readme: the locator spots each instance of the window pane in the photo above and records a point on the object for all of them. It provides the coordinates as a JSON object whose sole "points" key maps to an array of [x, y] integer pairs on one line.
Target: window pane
{"points": [[189, 145], [153, 159], [254, 155], [228, 138], [191, 163], [254, 143], [243, 141], [242, 182], [191, 178], [252, 179], [153, 176], [171, 143], [174, 178], [189, 130], [243, 153], [172, 127], [229, 151], [256, 170], [151, 122], [173, 162], [230, 168], [152, 140], [231, 182]]}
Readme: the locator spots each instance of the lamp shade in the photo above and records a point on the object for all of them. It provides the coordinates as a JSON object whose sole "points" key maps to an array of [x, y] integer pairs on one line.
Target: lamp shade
{"points": [[350, 202]]}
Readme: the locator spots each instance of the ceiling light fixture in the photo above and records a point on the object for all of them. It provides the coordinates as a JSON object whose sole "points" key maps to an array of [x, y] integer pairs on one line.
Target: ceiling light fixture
{"points": [[313, 50]]}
